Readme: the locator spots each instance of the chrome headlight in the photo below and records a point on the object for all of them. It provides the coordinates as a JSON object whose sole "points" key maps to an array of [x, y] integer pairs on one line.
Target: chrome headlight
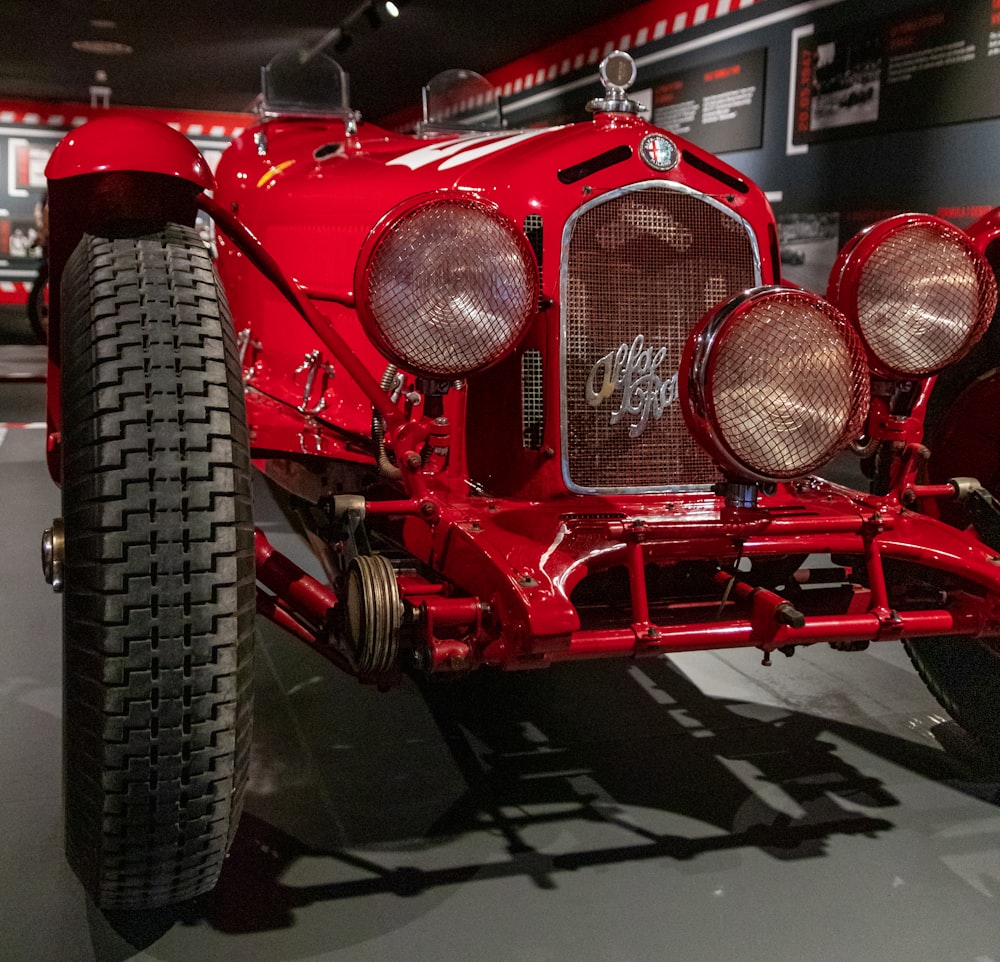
{"points": [[919, 292], [774, 383], [446, 285]]}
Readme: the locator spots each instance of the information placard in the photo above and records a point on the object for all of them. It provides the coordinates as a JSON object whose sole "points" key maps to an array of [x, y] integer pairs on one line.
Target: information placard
{"points": [[935, 65], [718, 106]]}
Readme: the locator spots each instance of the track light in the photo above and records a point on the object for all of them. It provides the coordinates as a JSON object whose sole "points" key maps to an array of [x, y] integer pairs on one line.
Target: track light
{"points": [[373, 13], [340, 37]]}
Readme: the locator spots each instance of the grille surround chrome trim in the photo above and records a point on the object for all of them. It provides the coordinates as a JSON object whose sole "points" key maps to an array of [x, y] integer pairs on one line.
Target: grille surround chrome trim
{"points": [[564, 278]]}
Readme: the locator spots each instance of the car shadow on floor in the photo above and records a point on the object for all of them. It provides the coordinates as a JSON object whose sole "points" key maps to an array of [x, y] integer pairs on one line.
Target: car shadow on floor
{"points": [[540, 775]]}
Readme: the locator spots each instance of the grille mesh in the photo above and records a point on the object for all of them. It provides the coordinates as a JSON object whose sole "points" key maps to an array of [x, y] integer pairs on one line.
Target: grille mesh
{"points": [[640, 270], [532, 399]]}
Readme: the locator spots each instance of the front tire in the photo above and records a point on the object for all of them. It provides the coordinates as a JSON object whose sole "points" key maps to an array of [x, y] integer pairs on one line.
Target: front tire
{"points": [[159, 570]]}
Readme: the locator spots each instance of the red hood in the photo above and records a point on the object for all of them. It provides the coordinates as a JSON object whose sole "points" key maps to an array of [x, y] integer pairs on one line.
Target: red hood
{"points": [[311, 188]]}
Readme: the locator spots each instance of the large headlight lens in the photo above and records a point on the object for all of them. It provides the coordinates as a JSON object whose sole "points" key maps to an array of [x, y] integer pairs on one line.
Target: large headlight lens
{"points": [[447, 286], [774, 383], [920, 293]]}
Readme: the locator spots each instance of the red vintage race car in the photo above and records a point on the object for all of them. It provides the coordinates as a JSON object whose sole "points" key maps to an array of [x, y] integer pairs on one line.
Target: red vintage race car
{"points": [[536, 396]]}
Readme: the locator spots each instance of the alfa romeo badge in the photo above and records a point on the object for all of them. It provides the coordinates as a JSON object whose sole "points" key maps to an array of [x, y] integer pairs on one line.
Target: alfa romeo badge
{"points": [[659, 152]]}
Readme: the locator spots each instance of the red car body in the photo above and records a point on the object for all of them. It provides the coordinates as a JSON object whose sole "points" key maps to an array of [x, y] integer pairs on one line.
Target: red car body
{"points": [[541, 395], [504, 529]]}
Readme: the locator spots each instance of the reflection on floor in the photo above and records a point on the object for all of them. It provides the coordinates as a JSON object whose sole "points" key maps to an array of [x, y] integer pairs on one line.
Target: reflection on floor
{"points": [[704, 808]]}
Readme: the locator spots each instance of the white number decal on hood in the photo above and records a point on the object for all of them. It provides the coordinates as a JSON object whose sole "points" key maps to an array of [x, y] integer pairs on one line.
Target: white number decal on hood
{"points": [[454, 153]]}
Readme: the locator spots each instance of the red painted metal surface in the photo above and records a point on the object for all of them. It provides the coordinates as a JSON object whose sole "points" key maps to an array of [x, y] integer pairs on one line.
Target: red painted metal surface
{"points": [[986, 229], [293, 586], [968, 437], [128, 143], [506, 548]]}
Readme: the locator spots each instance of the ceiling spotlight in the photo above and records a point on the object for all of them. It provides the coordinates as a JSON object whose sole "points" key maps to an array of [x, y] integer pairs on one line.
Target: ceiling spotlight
{"points": [[340, 37], [373, 13]]}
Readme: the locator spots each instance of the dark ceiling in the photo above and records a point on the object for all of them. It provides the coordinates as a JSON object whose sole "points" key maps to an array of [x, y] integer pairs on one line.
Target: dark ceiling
{"points": [[207, 54]]}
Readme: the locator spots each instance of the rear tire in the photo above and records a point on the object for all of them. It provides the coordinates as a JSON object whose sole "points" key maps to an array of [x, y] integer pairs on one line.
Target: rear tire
{"points": [[38, 304], [159, 570], [963, 674]]}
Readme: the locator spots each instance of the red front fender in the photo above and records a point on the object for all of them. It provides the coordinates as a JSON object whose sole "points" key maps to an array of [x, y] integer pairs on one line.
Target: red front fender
{"points": [[128, 144], [115, 176]]}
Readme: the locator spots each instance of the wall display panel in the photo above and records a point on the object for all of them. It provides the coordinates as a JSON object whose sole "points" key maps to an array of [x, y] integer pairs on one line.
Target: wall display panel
{"points": [[718, 105], [809, 245], [29, 133], [935, 64], [24, 152], [674, 55]]}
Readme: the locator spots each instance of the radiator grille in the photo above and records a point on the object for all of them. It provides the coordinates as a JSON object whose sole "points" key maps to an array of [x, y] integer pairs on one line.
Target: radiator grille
{"points": [[532, 399], [639, 269]]}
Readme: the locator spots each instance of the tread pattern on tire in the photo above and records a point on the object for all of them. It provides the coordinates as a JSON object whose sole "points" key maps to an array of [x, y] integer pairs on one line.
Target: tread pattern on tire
{"points": [[159, 598], [963, 674]]}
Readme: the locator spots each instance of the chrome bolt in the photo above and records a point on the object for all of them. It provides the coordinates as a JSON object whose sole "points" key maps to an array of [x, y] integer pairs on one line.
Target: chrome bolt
{"points": [[53, 554]]}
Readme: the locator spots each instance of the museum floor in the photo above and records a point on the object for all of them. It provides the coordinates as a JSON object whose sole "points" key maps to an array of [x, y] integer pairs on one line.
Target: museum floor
{"points": [[699, 809]]}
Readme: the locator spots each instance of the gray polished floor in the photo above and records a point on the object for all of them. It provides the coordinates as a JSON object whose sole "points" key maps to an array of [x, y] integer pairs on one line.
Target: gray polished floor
{"points": [[701, 809]]}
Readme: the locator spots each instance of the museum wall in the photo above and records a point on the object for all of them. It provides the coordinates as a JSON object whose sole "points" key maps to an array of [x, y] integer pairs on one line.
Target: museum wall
{"points": [[842, 110]]}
